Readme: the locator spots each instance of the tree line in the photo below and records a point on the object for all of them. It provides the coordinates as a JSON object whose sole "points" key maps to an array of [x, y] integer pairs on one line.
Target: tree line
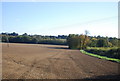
{"points": [[74, 41], [33, 39], [81, 41]]}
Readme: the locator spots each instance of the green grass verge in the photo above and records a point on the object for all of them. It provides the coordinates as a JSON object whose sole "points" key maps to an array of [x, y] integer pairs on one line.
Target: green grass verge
{"points": [[102, 48], [102, 57]]}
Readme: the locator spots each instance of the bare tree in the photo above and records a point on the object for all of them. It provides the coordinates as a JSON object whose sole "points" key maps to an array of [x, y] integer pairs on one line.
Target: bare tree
{"points": [[86, 33]]}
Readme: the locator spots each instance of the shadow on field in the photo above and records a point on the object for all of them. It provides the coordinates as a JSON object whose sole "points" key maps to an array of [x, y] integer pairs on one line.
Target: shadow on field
{"points": [[105, 77], [98, 78]]}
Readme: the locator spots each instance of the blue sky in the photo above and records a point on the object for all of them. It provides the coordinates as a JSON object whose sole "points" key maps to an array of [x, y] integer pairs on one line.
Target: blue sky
{"points": [[61, 18]]}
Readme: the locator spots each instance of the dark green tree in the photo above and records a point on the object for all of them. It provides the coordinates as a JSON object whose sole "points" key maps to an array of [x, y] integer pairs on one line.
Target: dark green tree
{"points": [[102, 43]]}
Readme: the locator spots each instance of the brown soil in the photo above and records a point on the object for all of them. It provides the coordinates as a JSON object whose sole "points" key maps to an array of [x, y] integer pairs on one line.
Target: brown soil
{"points": [[38, 61]]}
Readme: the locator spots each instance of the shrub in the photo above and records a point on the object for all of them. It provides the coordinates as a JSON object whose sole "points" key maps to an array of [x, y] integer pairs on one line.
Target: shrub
{"points": [[112, 53]]}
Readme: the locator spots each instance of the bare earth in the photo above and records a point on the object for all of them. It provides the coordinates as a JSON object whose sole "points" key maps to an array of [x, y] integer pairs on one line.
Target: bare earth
{"points": [[38, 61]]}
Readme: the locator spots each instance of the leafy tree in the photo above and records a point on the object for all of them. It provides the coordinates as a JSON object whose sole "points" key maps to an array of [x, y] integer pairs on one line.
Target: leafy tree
{"points": [[25, 34], [77, 41], [13, 34], [4, 39], [102, 43], [93, 42], [113, 41]]}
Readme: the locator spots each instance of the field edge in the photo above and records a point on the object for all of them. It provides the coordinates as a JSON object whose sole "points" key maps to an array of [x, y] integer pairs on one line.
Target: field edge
{"points": [[101, 57]]}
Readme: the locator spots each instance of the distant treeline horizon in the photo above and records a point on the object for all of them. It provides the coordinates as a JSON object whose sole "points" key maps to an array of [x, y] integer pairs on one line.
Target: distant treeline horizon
{"points": [[58, 40], [16, 34]]}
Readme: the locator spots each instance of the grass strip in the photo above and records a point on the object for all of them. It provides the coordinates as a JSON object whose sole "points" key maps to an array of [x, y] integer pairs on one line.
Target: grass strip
{"points": [[102, 57]]}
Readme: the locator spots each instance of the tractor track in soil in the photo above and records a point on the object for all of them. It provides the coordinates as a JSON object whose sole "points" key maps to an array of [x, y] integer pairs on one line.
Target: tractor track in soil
{"points": [[33, 61]]}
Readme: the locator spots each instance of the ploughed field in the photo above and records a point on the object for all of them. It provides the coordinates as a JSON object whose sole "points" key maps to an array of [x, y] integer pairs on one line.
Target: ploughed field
{"points": [[39, 61]]}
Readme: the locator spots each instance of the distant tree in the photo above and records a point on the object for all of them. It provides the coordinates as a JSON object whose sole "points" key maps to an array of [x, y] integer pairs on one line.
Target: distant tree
{"points": [[110, 44], [25, 34], [85, 41], [73, 42], [77, 41], [98, 36], [118, 43], [34, 40], [93, 42], [4, 38], [13, 34], [113, 41], [62, 36], [26, 39], [102, 43], [3, 33]]}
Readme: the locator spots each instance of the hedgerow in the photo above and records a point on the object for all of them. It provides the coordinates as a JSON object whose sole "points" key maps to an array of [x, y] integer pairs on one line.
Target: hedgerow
{"points": [[111, 53]]}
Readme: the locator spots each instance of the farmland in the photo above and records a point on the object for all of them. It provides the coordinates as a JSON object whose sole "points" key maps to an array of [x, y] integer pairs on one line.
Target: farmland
{"points": [[39, 61]]}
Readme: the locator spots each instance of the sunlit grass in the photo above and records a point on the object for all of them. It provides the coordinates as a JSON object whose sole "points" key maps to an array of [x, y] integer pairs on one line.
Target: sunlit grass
{"points": [[102, 48], [102, 57]]}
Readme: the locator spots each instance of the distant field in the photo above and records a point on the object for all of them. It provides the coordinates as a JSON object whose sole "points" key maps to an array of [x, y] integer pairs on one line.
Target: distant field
{"points": [[39, 61]]}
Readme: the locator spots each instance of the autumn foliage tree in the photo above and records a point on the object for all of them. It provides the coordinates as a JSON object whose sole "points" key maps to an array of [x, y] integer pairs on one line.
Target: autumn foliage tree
{"points": [[76, 41]]}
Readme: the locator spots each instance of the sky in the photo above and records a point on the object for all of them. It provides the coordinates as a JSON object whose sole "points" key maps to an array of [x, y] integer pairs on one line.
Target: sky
{"points": [[61, 18]]}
